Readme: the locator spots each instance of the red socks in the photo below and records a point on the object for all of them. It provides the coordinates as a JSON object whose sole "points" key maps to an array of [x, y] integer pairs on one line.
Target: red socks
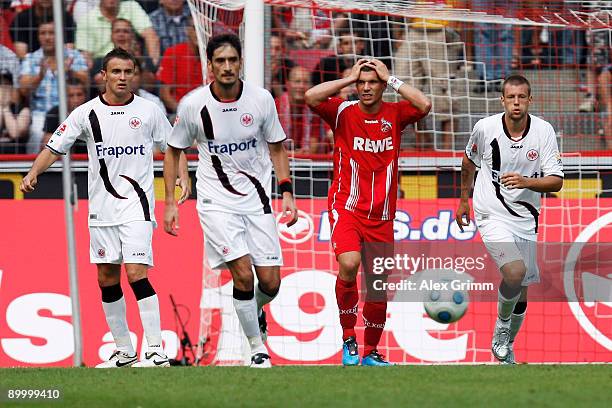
{"points": [[374, 318], [374, 314], [348, 302]]}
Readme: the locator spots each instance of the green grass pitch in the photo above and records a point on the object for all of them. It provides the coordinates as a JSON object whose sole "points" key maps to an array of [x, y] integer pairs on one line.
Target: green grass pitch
{"points": [[400, 386]]}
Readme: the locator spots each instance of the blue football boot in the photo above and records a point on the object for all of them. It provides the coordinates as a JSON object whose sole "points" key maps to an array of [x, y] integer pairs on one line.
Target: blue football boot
{"points": [[350, 352], [375, 359]]}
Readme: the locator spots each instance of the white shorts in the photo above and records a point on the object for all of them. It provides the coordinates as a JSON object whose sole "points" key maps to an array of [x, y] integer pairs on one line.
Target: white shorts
{"points": [[231, 236], [504, 246], [125, 243]]}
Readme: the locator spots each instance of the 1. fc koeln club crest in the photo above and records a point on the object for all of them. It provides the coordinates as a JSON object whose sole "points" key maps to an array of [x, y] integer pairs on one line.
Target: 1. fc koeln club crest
{"points": [[246, 119], [385, 125], [135, 123]]}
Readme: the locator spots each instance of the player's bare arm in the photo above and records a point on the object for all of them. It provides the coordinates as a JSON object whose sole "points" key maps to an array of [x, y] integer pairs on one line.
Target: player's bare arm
{"points": [[171, 164], [319, 93], [43, 161], [548, 184], [468, 169], [280, 161], [183, 181], [409, 93]]}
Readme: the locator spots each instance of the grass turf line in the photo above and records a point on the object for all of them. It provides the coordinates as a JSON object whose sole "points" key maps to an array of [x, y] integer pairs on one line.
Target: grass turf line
{"points": [[553, 386]]}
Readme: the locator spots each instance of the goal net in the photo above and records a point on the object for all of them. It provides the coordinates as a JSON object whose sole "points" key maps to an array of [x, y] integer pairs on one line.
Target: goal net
{"points": [[458, 57]]}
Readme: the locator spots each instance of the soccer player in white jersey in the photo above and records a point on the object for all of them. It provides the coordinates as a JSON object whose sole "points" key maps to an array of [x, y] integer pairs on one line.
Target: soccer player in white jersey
{"points": [[519, 160], [120, 129], [239, 139]]}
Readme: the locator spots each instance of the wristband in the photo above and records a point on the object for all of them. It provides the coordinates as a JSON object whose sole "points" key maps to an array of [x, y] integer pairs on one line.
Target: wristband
{"points": [[285, 186], [394, 83]]}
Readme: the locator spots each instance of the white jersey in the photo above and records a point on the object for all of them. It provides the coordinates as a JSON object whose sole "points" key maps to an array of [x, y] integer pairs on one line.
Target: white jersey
{"points": [[120, 142], [534, 155], [234, 168]]}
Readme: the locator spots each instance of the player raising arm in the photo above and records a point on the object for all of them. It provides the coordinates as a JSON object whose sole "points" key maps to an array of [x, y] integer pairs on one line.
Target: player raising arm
{"points": [[518, 159], [363, 194], [120, 129], [239, 139]]}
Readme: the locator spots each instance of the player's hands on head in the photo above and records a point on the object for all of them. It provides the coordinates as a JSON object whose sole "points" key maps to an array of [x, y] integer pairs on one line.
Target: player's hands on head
{"points": [[381, 69], [171, 219], [185, 185], [514, 180], [462, 216], [290, 209], [28, 183], [356, 70]]}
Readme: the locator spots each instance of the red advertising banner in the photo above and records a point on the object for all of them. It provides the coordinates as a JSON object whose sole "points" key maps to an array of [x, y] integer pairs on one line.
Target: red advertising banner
{"points": [[35, 308]]}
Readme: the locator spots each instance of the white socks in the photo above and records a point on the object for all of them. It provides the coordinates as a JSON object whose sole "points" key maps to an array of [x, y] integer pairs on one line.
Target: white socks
{"points": [[149, 316], [117, 322], [262, 298], [515, 324], [247, 315], [506, 306]]}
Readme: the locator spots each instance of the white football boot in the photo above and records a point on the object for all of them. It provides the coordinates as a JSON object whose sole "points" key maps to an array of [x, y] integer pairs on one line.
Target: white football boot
{"points": [[153, 359], [119, 359], [501, 340], [510, 359], [260, 360]]}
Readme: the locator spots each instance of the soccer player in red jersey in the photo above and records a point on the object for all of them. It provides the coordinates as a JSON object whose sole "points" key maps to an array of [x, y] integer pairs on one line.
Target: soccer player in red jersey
{"points": [[363, 194]]}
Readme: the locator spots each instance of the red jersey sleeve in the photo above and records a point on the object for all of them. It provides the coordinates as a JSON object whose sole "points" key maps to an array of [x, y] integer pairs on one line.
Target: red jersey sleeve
{"points": [[328, 110], [408, 113]]}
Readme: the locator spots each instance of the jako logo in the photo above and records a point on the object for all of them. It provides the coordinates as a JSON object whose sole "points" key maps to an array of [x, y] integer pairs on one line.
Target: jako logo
{"points": [[229, 109], [230, 148], [117, 151], [374, 146]]}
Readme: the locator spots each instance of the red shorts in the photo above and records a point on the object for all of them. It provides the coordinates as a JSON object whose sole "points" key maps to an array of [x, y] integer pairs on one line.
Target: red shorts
{"points": [[349, 231]]}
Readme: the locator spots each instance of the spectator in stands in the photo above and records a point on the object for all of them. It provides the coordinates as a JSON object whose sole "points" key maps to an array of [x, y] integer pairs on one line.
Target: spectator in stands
{"points": [[38, 79], [303, 28], [136, 84], [123, 36], [426, 60], [93, 35], [81, 7], [169, 23], [348, 93], [14, 117], [9, 61], [24, 29], [599, 81], [76, 94], [6, 16], [280, 65], [495, 42], [330, 68], [302, 127], [598, 62], [180, 69]]}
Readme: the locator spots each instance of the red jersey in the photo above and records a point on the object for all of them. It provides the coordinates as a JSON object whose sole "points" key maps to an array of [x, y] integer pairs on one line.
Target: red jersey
{"points": [[366, 149]]}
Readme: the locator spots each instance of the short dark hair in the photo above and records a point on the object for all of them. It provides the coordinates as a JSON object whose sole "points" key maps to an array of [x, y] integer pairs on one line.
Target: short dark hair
{"points": [[122, 20], [516, 79], [71, 80], [119, 53], [219, 41]]}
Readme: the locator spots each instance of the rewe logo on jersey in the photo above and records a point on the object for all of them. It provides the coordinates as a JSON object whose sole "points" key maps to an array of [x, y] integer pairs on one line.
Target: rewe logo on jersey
{"points": [[374, 146], [118, 151], [230, 148]]}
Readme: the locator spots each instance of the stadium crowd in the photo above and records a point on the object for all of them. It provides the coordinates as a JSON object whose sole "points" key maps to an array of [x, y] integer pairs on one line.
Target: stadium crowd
{"points": [[305, 47]]}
